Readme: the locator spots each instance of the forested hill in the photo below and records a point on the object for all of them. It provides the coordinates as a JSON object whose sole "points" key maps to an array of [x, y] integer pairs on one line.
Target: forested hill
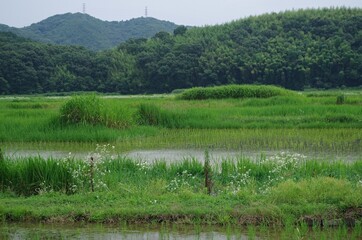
{"points": [[92, 33], [296, 49]]}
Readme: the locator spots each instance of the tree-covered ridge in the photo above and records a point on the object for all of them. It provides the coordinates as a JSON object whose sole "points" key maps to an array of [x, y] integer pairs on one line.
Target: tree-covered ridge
{"points": [[295, 49], [92, 33], [32, 67]]}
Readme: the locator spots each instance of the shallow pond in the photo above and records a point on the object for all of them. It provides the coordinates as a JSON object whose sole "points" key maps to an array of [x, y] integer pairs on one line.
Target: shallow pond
{"points": [[175, 231], [174, 155], [32, 231]]}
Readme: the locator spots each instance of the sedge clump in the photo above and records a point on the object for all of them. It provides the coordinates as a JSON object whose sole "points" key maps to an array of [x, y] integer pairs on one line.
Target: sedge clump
{"points": [[81, 110]]}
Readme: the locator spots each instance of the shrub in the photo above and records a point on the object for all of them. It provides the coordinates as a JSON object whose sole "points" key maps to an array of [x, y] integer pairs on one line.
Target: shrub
{"points": [[234, 91], [341, 99], [81, 109]]}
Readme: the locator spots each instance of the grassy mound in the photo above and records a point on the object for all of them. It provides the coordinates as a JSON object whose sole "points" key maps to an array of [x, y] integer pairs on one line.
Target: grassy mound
{"points": [[82, 109], [91, 110], [234, 91]]}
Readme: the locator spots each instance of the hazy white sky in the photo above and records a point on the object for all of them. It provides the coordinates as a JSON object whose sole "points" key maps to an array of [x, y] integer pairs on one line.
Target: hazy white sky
{"points": [[20, 13]]}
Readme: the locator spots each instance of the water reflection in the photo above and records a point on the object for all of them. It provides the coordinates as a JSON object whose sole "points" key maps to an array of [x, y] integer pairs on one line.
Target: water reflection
{"points": [[18, 231], [174, 155]]}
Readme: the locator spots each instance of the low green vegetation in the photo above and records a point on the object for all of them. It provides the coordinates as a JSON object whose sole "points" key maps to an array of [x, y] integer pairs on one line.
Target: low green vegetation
{"points": [[274, 191], [296, 122], [235, 91]]}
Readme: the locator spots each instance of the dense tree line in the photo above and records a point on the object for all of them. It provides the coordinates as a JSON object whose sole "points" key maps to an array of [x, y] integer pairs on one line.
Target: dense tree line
{"points": [[295, 49]]}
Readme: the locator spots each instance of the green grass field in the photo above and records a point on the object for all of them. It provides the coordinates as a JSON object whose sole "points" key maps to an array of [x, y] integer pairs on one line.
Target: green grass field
{"points": [[294, 122]]}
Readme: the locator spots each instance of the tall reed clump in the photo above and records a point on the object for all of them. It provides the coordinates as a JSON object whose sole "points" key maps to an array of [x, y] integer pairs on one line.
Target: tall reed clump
{"points": [[32, 176], [81, 110], [234, 91], [149, 114], [90, 109]]}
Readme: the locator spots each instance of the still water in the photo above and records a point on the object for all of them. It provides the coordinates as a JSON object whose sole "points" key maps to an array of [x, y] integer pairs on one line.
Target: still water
{"points": [[171, 231], [174, 155], [33, 231]]}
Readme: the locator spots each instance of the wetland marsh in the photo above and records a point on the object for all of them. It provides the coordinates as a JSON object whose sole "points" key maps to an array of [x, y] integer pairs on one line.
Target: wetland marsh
{"points": [[276, 160]]}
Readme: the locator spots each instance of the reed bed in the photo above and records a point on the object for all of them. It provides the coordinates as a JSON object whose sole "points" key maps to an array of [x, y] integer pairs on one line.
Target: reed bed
{"points": [[24, 176], [132, 119], [274, 190]]}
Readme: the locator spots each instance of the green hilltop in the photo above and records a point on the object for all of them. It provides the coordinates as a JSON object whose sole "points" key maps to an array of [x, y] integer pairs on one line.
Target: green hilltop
{"points": [[92, 33]]}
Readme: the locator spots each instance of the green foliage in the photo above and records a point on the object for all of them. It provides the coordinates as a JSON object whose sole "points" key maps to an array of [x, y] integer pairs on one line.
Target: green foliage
{"points": [[180, 30], [82, 109], [294, 49], [234, 91]]}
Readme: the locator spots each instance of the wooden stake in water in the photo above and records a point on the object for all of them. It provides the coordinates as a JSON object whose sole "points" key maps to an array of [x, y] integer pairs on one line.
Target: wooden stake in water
{"points": [[207, 173], [91, 173]]}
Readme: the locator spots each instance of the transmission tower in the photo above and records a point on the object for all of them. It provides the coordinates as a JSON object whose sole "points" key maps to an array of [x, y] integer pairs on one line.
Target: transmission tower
{"points": [[83, 8], [146, 11]]}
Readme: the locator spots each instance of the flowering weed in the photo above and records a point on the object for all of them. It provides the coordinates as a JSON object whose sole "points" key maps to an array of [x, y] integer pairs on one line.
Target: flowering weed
{"points": [[183, 180]]}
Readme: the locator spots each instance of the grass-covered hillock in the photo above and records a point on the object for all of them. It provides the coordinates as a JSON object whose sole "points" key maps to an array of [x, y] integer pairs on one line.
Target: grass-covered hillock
{"points": [[81, 109], [234, 91], [92, 110]]}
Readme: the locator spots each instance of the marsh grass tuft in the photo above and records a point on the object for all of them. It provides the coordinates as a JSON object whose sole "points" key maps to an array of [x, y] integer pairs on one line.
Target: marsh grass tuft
{"points": [[81, 110], [149, 114], [91, 110]]}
